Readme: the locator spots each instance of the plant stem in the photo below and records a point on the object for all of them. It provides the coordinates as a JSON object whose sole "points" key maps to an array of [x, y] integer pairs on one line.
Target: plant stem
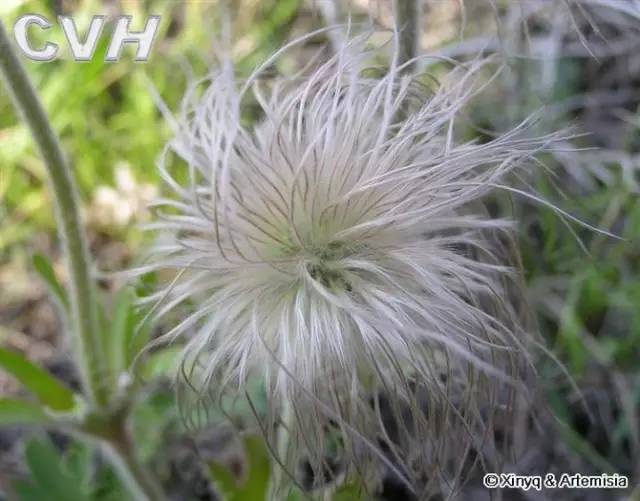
{"points": [[408, 23], [333, 15], [140, 483], [279, 473], [86, 340]]}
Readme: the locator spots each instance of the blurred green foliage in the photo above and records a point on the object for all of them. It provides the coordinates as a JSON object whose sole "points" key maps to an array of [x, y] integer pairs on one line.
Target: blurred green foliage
{"points": [[105, 112]]}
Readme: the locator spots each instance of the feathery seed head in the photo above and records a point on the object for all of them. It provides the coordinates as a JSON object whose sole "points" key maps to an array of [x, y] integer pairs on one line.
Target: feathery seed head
{"points": [[338, 248]]}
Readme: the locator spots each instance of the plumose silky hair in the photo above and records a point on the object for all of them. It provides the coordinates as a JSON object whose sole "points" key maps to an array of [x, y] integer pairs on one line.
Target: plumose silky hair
{"points": [[338, 249]]}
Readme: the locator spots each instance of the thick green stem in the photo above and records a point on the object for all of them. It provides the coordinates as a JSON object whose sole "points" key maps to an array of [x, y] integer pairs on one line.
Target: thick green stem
{"points": [[140, 483], [408, 14], [112, 433], [84, 313]]}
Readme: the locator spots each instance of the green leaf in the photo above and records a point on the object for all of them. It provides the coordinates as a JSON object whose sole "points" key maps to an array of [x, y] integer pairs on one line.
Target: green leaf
{"points": [[49, 390], [27, 491], [350, 492], [49, 475], [163, 362], [225, 481], [45, 270], [107, 486], [118, 335], [126, 332], [239, 407], [153, 416], [256, 485], [138, 334], [15, 411], [78, 461], [297, 495], [573, 439]]}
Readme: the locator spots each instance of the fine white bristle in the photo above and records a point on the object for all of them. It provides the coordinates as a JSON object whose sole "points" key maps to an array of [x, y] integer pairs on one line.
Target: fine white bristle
{"points": [[338, 249]]}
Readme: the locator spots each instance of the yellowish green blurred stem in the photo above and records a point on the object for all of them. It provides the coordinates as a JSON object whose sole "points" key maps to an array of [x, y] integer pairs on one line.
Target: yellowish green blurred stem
{"points": [[84, 314]]}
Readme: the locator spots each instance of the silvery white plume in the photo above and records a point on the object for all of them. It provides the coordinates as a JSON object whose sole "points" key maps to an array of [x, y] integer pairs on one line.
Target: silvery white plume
{"points": [[338, 248]]}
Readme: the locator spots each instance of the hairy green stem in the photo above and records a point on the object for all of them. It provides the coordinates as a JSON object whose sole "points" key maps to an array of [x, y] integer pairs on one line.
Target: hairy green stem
{"points": [[84, 313], [120, 448], [85, 325], [408, 23]]}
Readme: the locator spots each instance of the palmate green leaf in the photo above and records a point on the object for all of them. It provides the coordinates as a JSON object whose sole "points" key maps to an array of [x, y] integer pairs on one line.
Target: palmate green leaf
{"points": [[78, 461], [14, 411], [50, 480], [45, 270], [49, 390], [27, 491], [107, 486]]}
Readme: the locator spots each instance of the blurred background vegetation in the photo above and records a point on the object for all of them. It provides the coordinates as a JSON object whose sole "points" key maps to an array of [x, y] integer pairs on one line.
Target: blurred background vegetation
{"points": [[585, 287]]}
